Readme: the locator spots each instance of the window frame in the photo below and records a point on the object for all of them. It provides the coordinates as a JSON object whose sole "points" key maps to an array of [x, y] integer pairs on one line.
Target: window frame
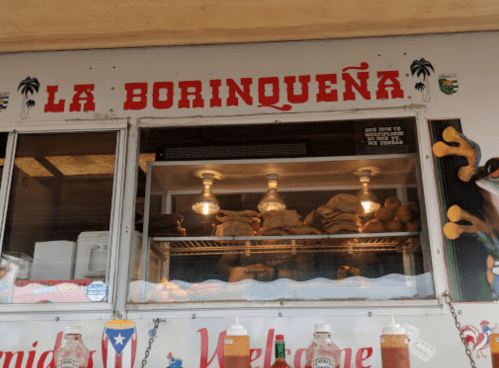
{"points": [[97, 310], [434, 231]]}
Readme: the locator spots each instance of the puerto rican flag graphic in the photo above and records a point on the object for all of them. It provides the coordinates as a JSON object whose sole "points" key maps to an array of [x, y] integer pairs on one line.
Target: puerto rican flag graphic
{"points": [[119, 346]]}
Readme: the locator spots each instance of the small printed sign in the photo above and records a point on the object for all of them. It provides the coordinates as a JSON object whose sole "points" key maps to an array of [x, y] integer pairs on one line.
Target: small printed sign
{"points": [[383, 137], [448, 83], [4, 100], [97, 291]]}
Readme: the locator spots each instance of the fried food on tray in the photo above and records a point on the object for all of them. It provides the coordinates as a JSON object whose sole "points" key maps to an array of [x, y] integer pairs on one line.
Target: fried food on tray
{"points": [[325, 211], [395, 217], [414, 207], [346, 217], [342, 227], [393, 202], [384, 214], [373, 226], [394, 226], [234, 228], [413, 226], [237, 223], [404, 214], [345, 203], [281, 219], [338, 216]]}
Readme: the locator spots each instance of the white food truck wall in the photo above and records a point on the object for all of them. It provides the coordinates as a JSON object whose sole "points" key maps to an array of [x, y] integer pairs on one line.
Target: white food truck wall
{"points": [[97, 86]]}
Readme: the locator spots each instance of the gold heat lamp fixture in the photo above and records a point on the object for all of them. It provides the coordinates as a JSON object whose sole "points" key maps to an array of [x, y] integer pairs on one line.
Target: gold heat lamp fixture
{"points": [[368, 199], [271, 201], [206, 203]]}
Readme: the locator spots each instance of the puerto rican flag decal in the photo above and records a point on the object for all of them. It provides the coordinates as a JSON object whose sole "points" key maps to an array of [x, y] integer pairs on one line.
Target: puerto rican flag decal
{"points": [[119, 344]]}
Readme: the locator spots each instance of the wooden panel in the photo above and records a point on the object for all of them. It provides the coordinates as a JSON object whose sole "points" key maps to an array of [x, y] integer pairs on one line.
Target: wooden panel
{"points": [[55, 25]]}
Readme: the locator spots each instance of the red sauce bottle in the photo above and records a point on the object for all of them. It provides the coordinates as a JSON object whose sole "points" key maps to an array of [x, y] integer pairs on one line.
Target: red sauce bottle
{"points": [[237, 347], [394, 347], [494, 345], [280, 353]]}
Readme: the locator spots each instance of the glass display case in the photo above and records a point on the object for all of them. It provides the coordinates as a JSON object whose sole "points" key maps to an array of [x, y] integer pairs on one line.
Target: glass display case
{"points": [[305, 211]]}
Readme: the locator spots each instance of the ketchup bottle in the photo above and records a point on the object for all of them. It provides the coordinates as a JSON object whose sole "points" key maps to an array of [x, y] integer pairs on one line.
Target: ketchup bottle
{"points": [[494, 345], [322, 352], [237, 347], [394, 347], [72, 353]]}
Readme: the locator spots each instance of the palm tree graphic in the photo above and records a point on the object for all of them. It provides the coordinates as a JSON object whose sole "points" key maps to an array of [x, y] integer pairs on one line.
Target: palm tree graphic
{"points": [[29, 85], [422, 67]]}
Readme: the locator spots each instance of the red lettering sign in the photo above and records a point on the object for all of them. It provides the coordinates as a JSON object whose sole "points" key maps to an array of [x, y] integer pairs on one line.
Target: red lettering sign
{"points": [[219, 351], [157, 89], [326, 94], [272, 100], [244, 93], [81, 89], [297, 360], [215, 101], [258, 354], [350, 84], [190, 88], [51, 106], [268, 348], [391, 76], [347, 357], [8, 357], [290, 87], [136, 98], [31, 356], [360, 357], [189, 93]]}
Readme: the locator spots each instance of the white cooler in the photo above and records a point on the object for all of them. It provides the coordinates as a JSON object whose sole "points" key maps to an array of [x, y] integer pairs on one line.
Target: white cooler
{"points": [[53, 260], [91, 254]]}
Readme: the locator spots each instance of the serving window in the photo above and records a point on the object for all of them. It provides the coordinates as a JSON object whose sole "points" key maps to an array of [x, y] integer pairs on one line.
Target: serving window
{"points": [[302, 211], [56, 238]]}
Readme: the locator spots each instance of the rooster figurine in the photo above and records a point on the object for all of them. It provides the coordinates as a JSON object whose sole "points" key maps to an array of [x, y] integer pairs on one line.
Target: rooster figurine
{"points": [[477, 340]]}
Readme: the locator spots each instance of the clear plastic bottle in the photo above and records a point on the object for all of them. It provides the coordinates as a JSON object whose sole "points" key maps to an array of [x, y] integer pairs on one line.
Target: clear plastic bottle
{"points": [[237, 347], [322, 352], [494, 345], [72, 353], [280, 353], [394, 347]]}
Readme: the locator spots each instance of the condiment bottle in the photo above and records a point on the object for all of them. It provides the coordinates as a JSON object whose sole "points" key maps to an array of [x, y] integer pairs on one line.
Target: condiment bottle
{"points": [[280, 353], [494, 345], [322, 352], [237, 347], [394, 347], [72, 353]]}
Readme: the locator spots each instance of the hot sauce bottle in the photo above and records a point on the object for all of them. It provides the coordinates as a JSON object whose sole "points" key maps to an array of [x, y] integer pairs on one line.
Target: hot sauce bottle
{"points": [[394, 347], [322, 352], [280, 353], [237, 347], [494, 345], [72, 353]]}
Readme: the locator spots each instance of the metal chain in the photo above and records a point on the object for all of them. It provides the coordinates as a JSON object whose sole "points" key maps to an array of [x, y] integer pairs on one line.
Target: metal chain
{"points": [[151, 340], [448, 300]]}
